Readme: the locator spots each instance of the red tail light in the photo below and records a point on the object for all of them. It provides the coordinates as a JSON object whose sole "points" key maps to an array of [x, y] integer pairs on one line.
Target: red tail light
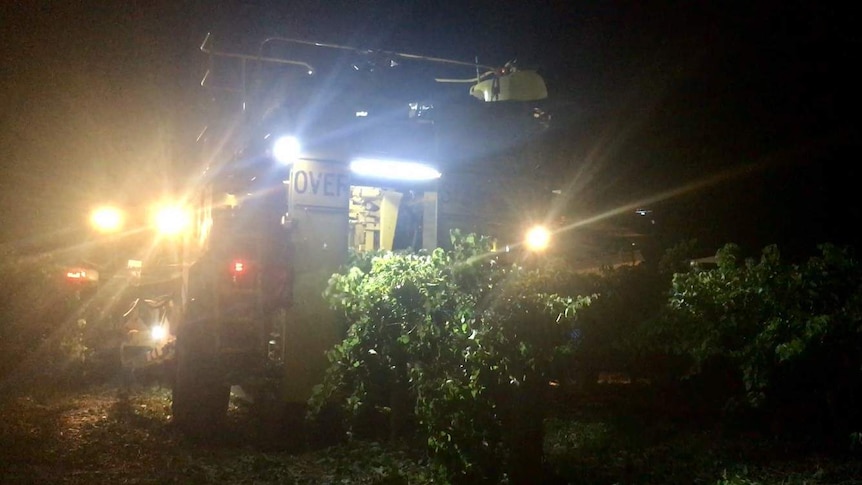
{"points": [[242, 273]]}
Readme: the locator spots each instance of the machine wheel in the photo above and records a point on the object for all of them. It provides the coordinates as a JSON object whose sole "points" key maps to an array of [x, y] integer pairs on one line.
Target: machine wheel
{"points": [[200, 393]]}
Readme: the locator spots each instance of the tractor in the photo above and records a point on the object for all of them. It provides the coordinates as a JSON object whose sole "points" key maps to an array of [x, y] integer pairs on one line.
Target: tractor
{"points": [[313, 151]]}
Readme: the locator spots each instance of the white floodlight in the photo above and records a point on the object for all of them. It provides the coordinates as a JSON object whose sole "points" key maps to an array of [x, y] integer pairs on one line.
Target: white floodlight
{"points": [[286, 149], [394, 169]]}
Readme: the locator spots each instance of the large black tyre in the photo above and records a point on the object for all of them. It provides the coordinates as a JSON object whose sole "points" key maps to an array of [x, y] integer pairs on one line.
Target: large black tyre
{"points": [[200, 393]]}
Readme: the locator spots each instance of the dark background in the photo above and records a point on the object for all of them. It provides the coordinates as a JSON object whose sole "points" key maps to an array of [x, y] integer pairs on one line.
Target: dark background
{"points": [[734, 123]]}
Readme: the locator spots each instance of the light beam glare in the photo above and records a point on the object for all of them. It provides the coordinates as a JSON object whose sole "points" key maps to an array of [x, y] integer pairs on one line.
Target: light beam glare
{"points": [[666, 195]]}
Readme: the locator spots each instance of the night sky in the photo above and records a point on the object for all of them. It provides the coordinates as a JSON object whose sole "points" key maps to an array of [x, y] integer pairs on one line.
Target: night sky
{"points": [[754, 107]]}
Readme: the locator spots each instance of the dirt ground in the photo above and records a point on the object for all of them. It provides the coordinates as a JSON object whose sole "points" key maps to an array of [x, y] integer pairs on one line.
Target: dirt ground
{"points": [[107, 435], [110, 436]]}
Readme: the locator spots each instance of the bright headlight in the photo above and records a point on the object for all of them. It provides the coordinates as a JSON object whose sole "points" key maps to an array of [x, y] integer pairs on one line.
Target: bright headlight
{"points": [[172, 220], [394, 169], [538, 238], [107, 219], [158, 332], [286, 149]]}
